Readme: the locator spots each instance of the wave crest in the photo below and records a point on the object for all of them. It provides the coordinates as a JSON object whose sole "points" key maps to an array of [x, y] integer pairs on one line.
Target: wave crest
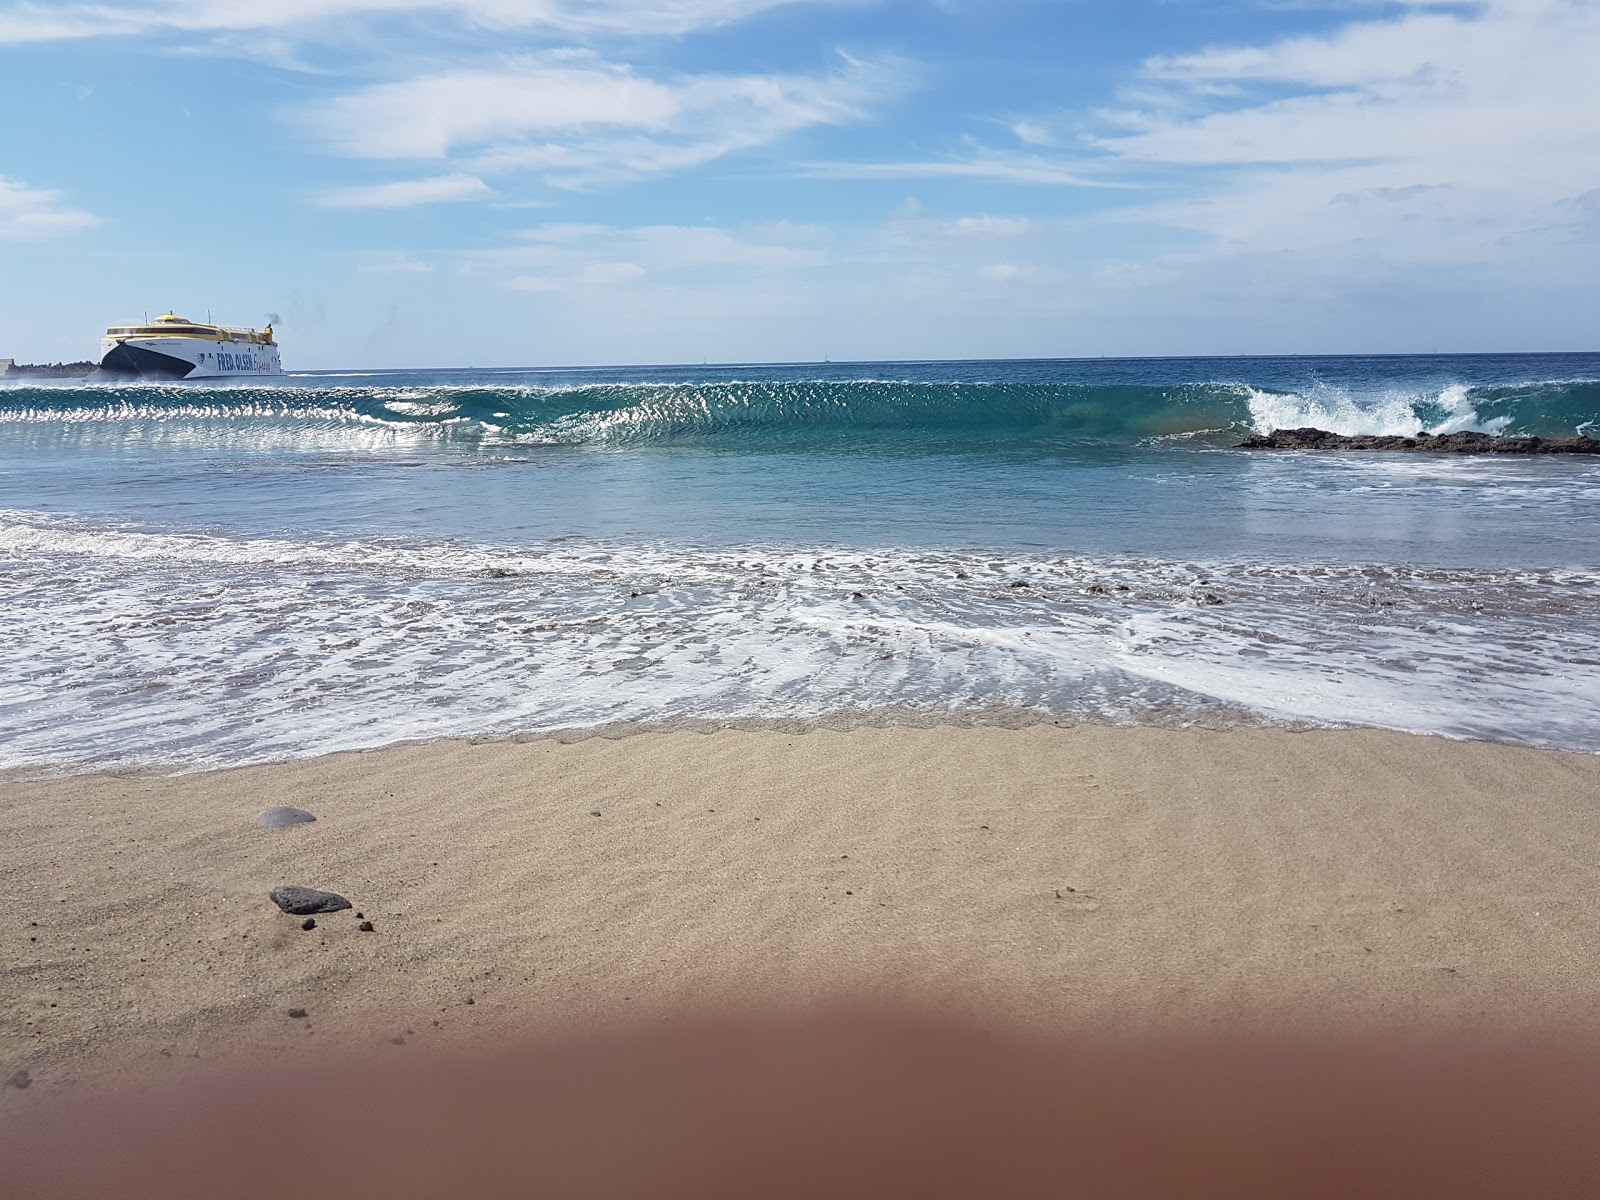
{"points": [[966, 413]]}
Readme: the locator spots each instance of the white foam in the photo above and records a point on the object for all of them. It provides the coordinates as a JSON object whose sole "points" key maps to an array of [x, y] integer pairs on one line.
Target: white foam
{"points": [[1393, 412], [128, 646]]}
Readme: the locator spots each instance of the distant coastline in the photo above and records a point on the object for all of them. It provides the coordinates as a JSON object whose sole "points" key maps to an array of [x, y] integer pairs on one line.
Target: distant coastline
{"points": [[10, 369]]}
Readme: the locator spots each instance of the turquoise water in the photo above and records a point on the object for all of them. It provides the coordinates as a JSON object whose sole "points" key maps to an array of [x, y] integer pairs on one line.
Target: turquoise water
{"points": [[201, 575]]}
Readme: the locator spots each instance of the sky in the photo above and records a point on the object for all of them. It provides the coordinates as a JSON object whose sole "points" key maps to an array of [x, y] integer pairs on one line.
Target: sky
{"points": [[549, 182]]}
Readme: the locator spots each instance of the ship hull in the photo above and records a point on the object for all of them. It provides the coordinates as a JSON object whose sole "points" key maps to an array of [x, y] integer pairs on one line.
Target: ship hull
{"points": [[169, 358]]}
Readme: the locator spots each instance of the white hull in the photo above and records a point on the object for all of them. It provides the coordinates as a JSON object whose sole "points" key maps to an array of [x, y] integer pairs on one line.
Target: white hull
{"points": [[188, 358]]}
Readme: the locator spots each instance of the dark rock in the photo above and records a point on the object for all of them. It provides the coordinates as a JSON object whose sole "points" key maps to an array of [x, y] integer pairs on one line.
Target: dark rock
{"points": [[365, 927], [594, 814], [20, 1080], [283, 817], [308, 924], [301, 901], [1308, 438], [297, 1013]]}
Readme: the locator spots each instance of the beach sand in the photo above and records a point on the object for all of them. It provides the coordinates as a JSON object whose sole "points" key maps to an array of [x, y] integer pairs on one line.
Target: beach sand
{"points": [[1068, 878]]}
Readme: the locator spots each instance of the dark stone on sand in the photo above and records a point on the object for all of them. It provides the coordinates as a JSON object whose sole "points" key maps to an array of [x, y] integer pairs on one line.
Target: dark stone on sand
{"points": [[20, 1080], [301, 901], [365, 927], [308, 924], [594, 814], [1444, 443], [282, 817], [297, 1013]]}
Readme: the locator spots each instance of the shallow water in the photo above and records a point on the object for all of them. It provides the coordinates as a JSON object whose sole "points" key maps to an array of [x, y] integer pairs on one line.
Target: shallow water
{"points": [[202, 575]]}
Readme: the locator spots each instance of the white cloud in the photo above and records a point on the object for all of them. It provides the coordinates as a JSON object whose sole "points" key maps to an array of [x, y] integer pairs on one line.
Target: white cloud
{"points": [[408, 193], [27, 213], [578, 121], [1436, 135], [36, 21], [431, 116], [394, 264], [991, 166], [550, 258], [589, 277], [989, 227], [911, 227]]}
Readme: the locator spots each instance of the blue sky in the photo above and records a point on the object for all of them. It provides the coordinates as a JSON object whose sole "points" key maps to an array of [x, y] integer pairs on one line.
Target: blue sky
{"points": [[527, 182]]}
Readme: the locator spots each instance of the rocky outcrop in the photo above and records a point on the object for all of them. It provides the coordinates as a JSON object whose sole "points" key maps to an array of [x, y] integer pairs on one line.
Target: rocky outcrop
{"points": [[1443, 443], [301, 901]]}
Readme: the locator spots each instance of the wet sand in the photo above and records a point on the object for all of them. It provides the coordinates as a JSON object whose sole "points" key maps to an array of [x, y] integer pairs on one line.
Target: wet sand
{"points": [[1082, 878]]}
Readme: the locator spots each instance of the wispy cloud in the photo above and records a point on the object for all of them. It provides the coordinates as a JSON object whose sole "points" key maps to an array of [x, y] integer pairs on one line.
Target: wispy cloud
{"points": [[28, 213], [1434, 134], [36, 21], [408, 193], [552, 258], [575, 120], [991, 166]]}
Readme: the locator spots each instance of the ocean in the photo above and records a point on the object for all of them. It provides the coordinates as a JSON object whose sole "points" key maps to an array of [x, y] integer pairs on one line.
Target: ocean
{"points": [[199, 576]]}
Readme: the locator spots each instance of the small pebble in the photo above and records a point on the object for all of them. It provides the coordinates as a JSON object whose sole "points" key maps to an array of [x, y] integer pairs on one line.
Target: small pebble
{"points": [[297, 1013], [365, 927], [308, 924], [594, 814], [21, 1080]]}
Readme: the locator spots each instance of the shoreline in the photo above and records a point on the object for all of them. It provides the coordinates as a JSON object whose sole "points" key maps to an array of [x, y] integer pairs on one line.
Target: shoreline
{"points": [[1221, 719], [1061, 877], [842, 720]]}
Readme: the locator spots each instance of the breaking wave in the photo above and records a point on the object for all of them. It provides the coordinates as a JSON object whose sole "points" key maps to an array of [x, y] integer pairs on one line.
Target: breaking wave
{"points": [[819, 411]]}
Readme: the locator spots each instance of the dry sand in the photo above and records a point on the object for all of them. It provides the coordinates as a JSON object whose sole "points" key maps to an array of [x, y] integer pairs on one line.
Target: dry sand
{"points": [[1070, 877]]}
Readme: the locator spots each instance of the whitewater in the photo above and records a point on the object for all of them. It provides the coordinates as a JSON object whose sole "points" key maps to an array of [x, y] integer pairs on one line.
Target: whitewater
{"points": [[210, 575]]}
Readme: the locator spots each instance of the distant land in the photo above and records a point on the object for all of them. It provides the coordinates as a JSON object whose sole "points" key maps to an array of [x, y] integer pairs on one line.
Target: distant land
{"points": [[10, 369]]}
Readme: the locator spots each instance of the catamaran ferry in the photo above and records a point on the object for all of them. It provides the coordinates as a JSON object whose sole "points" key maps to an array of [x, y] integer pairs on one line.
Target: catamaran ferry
{"points": [[173, 347]]}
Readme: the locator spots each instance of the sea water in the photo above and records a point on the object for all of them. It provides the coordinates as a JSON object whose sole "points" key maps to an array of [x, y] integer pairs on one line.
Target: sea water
{"points": [[197, 575]]}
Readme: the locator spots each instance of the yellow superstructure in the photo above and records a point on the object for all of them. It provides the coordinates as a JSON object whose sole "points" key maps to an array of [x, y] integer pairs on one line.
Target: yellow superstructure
{"points": [[172, 325]]}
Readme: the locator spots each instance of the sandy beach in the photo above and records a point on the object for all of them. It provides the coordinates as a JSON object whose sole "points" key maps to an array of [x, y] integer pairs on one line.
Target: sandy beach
{"points": [[1065, 877]]}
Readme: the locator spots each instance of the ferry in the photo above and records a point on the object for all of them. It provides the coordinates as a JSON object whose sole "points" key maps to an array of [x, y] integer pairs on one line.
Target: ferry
{"points": [[174, 347]]}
